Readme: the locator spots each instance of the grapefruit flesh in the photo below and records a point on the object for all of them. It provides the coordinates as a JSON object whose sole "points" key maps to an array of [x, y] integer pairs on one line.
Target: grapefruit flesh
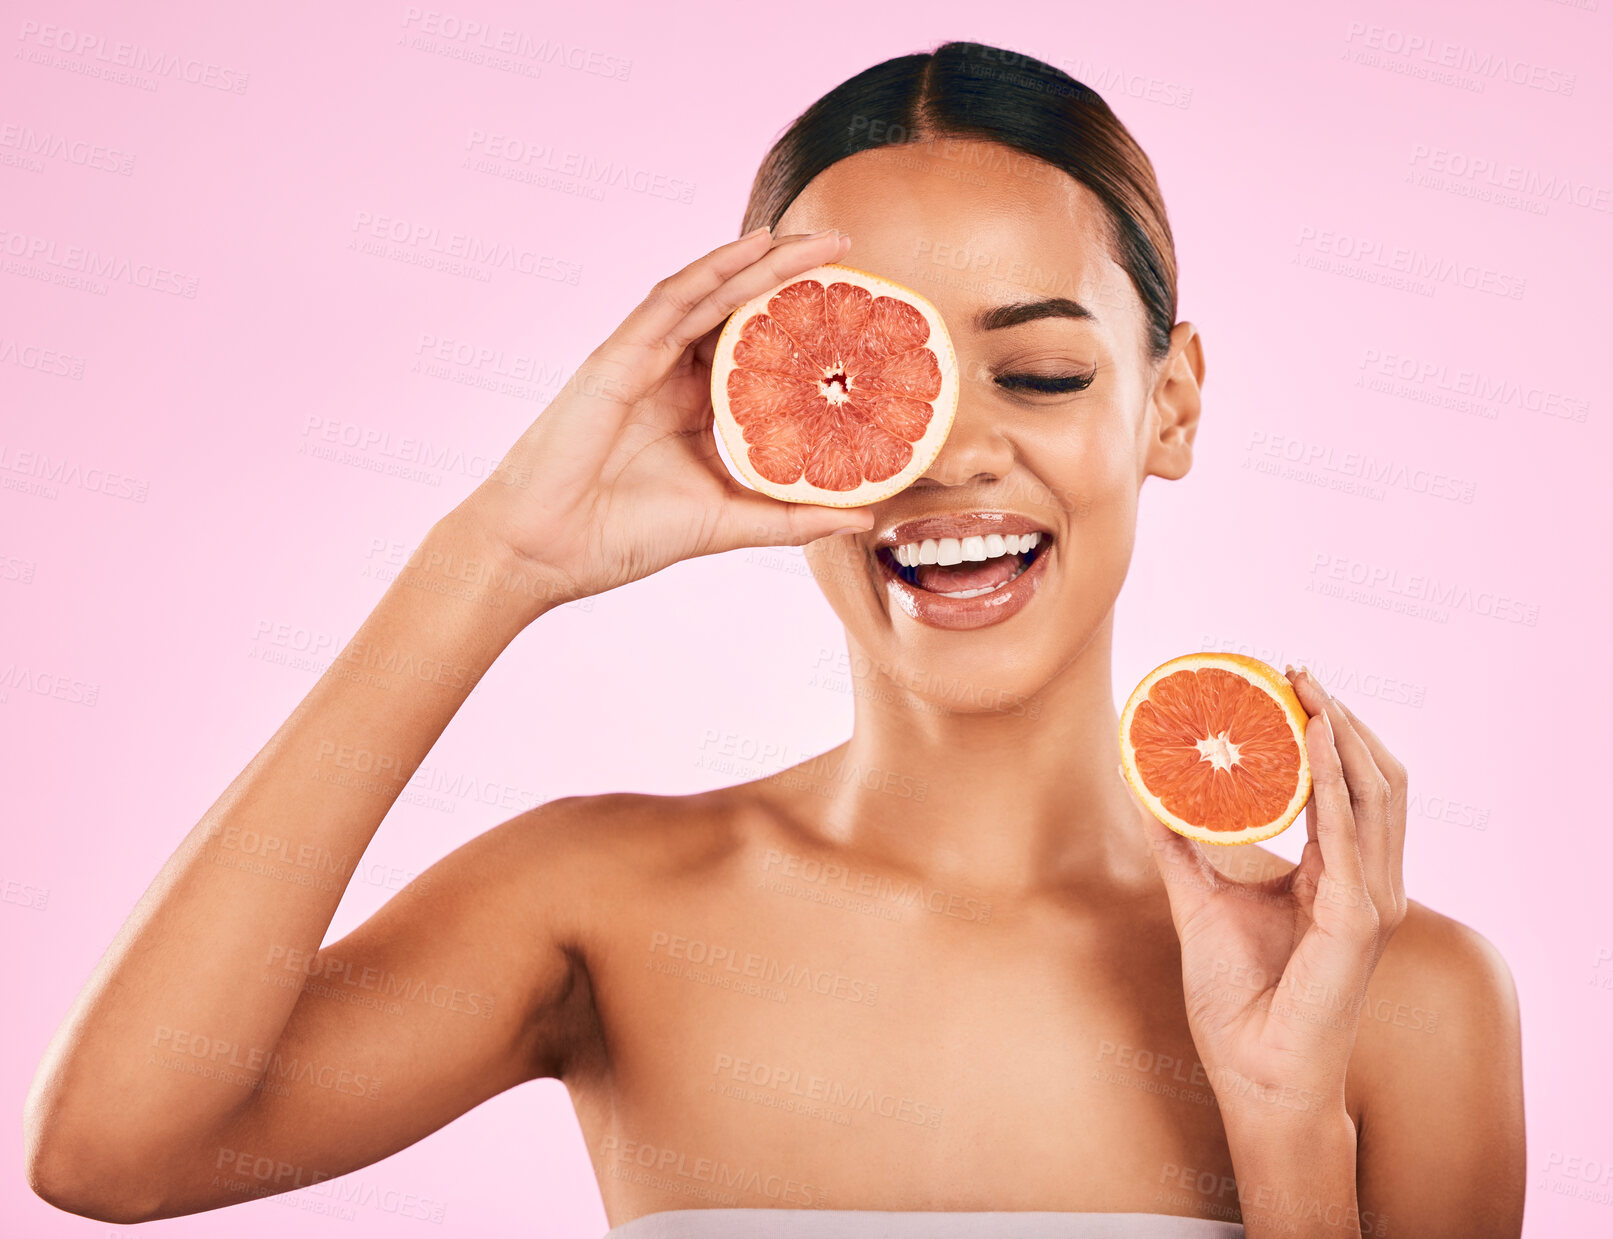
{"points": [[1214, 745], [837, 388]]}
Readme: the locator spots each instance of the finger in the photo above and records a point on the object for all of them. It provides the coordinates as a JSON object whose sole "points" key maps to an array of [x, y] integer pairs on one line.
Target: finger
{"points": [[1190, 880], [1313, 847], [1369, 795], [705, 348], [1395, 772], [1343, 885], [1306, 878], [749, 519], [784, 261], [672, 298]]}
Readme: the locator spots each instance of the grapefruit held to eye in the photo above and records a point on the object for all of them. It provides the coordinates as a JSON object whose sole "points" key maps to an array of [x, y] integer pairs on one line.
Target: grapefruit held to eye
{"points": [[1214, 746], [836, 388]]}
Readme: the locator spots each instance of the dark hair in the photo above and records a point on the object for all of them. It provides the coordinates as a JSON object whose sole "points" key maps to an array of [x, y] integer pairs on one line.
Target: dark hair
{"points": [[972, 90]]}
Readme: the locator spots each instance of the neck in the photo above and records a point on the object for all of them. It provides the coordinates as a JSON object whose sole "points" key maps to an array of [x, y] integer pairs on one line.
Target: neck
{"points": [[1022, 795]]}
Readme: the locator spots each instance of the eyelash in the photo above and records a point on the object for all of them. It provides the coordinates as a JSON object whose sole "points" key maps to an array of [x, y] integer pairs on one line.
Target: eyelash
{"points": [[1047, 384]]}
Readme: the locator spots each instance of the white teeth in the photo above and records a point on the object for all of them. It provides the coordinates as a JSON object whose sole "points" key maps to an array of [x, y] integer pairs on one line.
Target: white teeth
{"points": [[972, 549]]}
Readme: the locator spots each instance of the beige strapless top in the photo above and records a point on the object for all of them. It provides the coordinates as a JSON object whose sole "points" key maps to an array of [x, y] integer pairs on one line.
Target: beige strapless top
{"points": [[876, 1224]]}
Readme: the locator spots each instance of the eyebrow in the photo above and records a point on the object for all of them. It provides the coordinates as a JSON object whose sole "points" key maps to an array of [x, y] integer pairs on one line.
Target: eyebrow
{"points": [[1027, 311]]}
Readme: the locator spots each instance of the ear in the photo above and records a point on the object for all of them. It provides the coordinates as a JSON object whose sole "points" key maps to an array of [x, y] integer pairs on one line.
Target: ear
{"points": [[1173, 406]]}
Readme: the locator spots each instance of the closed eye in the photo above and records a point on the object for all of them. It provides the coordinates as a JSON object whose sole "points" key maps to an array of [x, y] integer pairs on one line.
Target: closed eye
{"points": [[1049, 383]]}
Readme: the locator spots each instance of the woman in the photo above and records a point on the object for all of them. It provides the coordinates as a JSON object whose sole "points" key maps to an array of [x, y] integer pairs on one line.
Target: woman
{"points": [[1014, 1006]]}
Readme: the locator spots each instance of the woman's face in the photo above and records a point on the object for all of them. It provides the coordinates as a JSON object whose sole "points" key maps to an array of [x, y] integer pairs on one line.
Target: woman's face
{"points": [[981, 229]]}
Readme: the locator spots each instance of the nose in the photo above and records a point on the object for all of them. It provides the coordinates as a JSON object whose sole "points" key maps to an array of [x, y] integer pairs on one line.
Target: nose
{"points": [[976, 449]]}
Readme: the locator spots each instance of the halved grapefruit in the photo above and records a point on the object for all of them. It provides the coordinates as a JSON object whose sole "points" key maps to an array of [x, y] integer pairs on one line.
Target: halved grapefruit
{"points": [[836, 388], [1214, 746]]}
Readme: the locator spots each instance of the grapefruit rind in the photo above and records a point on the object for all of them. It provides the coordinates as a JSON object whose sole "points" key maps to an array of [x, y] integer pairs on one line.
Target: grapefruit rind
{"points": [[1258, 674], [731, 444]]}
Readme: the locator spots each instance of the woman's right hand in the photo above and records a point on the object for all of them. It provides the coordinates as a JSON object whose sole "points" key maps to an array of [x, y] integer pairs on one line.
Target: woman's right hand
{"points": [[619, 476]]}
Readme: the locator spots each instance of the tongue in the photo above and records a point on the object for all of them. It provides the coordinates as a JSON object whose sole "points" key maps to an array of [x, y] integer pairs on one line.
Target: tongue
{"points": [[980, 574]]}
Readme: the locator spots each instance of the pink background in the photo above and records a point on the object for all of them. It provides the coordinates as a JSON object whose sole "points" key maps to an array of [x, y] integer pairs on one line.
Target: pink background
{"points": [[153, 623]]}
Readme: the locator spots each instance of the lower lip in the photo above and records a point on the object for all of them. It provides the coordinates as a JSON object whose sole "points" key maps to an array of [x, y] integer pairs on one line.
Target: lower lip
{"points": [[939, 611]]}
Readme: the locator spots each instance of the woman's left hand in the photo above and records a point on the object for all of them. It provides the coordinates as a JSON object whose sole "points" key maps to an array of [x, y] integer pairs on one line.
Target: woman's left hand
{"points": [[1275, 972]]}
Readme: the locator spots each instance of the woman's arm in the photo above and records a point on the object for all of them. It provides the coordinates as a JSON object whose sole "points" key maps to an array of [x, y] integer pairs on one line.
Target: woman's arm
{"points": [[1434, 1144], [1442, 1120], [1278, 1059], [186, 1066], [121, 1112], [1437, 1147]]}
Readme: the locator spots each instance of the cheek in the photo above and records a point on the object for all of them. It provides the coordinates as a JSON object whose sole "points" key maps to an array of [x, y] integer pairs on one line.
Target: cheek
{"points": [[838, 565], [1086, 456], [1090, 466]]}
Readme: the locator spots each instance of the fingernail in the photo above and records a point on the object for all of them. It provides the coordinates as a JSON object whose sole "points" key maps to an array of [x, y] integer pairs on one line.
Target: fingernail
{"points": [[1288, 669], [816, 236], [849, 529], [755, 232], [1327, 721]]}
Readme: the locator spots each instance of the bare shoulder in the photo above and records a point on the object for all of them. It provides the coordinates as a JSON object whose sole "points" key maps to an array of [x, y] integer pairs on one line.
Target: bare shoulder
{"points": [[577, 850], [639, 830], [1441, 1000], [1444, 961], [1436, 1083]]}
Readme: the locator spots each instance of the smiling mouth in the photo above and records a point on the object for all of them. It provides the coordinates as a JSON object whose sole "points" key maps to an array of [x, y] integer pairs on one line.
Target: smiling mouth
{"points": [[962, 568]]}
